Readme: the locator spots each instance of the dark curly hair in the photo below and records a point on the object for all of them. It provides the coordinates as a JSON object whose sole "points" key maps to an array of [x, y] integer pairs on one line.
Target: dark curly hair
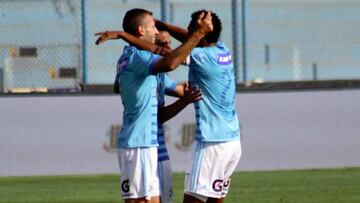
{"points": [[213, 36]]}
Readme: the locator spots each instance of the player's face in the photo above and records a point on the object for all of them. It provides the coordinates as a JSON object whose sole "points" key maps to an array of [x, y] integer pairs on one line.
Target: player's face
{"points": [[163, 39], [150, 32]]}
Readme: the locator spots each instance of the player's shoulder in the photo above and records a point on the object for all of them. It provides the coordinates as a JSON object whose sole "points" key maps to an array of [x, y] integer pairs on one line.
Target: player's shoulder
{"points": [[137, 52], [129, 49], [211, 51], [222, 46], [198, 54], [197, 50], [145, 53], [219, 46]]}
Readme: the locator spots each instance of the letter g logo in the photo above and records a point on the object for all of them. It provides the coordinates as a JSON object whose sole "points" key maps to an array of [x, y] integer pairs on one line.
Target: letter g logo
{"points": [[125, 186], [217, 185]]}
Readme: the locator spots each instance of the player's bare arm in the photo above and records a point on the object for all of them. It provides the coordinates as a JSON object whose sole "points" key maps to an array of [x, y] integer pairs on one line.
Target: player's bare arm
{"points": [[107, 35], [179, 90], [190, 95], [141, 44], [176, 57], [175, 31]]}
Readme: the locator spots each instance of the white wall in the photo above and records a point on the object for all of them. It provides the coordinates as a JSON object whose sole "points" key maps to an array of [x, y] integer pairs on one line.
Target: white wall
{"points": [[45, 135]]}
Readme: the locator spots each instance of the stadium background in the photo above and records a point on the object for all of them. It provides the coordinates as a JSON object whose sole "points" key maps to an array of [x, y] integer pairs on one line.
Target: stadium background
{"points": [[59, 117], [49, 44]]}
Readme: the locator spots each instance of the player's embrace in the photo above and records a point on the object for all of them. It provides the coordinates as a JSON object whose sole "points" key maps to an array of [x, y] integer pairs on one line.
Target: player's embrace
{"points": [[137, 82]]}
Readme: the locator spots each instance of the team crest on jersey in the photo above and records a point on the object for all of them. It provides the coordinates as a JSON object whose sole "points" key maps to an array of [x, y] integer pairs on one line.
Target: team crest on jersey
{"points": [[224, 59], [122, 64]]}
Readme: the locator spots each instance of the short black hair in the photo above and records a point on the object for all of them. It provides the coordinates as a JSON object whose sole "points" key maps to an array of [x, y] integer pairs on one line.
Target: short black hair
{"points": [[133, 19], [214, 35]]}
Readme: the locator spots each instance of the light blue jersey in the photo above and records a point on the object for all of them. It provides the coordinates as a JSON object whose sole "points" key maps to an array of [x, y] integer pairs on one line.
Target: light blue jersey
{"points": [[165, 84], [138, 94], [211, 68]]}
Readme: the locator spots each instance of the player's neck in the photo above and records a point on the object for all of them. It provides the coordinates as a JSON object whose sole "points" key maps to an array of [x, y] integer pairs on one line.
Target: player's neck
{"points": [[206, 44]]}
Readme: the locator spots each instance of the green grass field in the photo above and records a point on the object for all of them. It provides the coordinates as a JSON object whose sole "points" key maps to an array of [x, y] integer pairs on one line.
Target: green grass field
{"points": [[302, 186]]}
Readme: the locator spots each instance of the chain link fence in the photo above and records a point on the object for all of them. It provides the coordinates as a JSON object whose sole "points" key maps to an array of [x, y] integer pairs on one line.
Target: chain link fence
{"points": [[104, 17], [303, 40], [48, 45], [40, 45]]}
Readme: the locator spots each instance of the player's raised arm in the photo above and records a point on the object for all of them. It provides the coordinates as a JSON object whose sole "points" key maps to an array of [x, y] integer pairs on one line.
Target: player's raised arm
{"points": [[175, 58], [175, 31], [141, 44]]}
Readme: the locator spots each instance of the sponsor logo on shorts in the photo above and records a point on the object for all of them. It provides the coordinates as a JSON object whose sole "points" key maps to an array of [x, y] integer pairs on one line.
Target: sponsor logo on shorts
{"points": [[218, 185], [227, 183], [125, 186]]}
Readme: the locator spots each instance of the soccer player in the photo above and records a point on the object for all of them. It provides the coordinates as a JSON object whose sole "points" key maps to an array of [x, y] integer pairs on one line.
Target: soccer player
{"points": [[163, 39], [217, 149], [136, 81], [165, 86], [169, 87], [209, 62]]}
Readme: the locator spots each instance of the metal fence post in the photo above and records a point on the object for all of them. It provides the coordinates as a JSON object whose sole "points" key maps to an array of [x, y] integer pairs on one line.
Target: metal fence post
{"points": [[236, 42], [315, 71], [83, 41], [164, 10], [243, 26], [235, 39]]}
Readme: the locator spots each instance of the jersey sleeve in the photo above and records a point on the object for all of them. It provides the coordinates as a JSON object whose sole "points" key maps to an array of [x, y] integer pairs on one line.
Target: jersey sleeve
{"points": [[197, 58], [145, 61], [169, 84]]}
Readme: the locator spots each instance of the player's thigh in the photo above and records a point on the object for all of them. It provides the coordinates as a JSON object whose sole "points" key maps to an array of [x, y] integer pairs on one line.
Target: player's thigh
{"points": [[139, 176], [215, 200], [143, 200], [193, 198], [211, 167], [140, 200], [234, 153]]}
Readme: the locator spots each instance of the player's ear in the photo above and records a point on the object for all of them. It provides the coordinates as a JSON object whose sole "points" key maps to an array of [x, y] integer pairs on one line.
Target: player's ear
{"points": [[141, 30]]}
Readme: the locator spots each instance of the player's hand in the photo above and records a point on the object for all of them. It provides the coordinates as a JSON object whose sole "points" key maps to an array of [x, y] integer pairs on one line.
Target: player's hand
{"points": [[204, 23], [191, 94], [159, 24], [107, 35]]}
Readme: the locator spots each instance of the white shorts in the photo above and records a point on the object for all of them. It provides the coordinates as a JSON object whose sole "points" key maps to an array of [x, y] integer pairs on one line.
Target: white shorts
{"points": [[211, 165], [139, 175], [166, 182]]}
